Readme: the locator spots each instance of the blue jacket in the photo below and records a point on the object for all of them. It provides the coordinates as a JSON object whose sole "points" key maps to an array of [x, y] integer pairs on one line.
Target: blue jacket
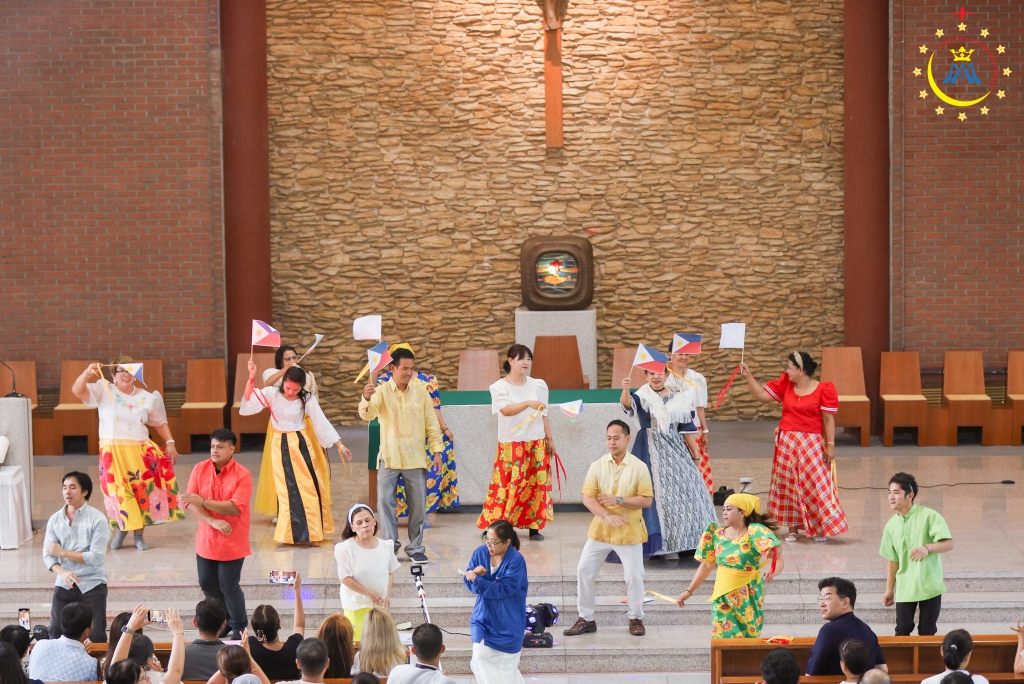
{"points": [[499, 616]]}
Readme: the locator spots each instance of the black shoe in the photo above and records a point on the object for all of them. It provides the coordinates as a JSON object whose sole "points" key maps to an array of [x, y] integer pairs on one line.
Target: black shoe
{"points": [[418, 559], [398, 546], [535, 535]]}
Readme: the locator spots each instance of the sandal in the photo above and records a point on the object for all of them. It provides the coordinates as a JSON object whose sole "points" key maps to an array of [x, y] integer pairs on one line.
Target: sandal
{"points": [[792, 537]]}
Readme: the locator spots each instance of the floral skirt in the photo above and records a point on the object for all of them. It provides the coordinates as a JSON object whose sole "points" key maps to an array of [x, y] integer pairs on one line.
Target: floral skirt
{"points": [[442, 488], [739, 614], [138, 483], [802, 492], [520, 489]]}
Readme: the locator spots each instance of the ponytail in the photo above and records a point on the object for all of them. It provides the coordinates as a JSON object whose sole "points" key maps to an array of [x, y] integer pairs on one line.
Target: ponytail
{"points": [[956, 647], [765, 519], [504, 531]]}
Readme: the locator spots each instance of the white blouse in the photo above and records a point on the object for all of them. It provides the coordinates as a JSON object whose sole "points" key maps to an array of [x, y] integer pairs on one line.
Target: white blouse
{"points": [[125, 416], [697, 384], [370, 567], [504, 393], [288, 416]]}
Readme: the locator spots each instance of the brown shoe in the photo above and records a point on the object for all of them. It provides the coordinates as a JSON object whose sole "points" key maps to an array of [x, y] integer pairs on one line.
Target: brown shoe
{"points": [[636, 627], [582, 627]]}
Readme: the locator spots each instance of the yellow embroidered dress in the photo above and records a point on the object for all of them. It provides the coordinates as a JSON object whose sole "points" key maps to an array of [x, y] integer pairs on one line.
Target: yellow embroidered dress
{"points": [[739, 612]]}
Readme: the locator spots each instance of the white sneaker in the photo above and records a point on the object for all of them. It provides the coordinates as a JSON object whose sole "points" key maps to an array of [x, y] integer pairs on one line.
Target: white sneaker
{"points": [[792, 537], [821, 540]]}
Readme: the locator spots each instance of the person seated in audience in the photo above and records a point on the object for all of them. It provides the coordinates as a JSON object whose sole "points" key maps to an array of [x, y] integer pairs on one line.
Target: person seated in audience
{"points": [[119, 621], [365, 678], [11, 671], [956, 677], [956, 653], [427, 646], [853, 659], [336, 633], [780, 666], [201, 655], [276, 657], [125, 669], [312, 660], [1018, 662], [875, 676], [381, 649], [20, 638], [65, 659], [836, 599], [143, 652], [235, 663]]}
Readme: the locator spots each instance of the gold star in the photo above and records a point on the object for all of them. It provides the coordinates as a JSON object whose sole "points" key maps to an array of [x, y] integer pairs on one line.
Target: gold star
{"points": [[1001, 94], [939, 110], [962, 116], [962, 27], [917, 72], [984, 33], [1001, 49], [923, 49], [939, 33], [923, 94], [984, 110], [1006, 71]]}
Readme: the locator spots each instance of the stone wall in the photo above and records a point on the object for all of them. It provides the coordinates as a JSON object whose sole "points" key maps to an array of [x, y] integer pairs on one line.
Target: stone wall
{"points": [[703, 158]]}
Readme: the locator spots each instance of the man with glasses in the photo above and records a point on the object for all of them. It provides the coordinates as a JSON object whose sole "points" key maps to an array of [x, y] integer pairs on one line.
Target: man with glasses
{"points": [[836, 599]]}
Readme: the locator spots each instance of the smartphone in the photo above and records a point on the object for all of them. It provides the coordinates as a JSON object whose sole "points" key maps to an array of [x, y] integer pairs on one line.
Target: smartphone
{"points": [[157, 616], [282, 577], [25, 618]]}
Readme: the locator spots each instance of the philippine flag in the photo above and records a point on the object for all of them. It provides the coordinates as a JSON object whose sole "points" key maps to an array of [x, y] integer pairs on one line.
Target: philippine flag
{"points": [[264, 335], [135, 369], [573, 408], [378, 356], [650, 359], [686, 343]]}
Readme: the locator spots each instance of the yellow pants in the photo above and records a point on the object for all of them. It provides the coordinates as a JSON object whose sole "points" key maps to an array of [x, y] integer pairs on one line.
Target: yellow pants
{"points": [[356, 617]]}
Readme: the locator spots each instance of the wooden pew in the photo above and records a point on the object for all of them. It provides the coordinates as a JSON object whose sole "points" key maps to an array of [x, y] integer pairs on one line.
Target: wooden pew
{"points": [[896, 679], [1015, 394], [963, 393], [72, 418], [556, 360], [478, 369], [249, 424], [206, 395], [844, 367], [914, 656], [903, 404], [622, 366]]}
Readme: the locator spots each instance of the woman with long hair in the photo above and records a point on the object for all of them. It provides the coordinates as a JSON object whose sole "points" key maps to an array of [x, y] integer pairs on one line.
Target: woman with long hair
{"points": [[520, 489], [119, 621], [276, 657], [336, 632], [301, 472], [235, 664], [136, 475], [803, 491], [497, 575], [736, 549], [366, 567], [956, 654], [380, 650], [134, 657], [853, 659], [11, 671]]}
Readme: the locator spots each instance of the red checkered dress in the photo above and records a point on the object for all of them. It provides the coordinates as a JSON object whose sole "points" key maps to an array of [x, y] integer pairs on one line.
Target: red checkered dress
{"points": [[704, 466], [803, 493]]}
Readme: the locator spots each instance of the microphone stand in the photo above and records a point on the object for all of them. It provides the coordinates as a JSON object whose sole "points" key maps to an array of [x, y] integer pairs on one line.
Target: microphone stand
{"points": [[14, 383], [423, 597]]}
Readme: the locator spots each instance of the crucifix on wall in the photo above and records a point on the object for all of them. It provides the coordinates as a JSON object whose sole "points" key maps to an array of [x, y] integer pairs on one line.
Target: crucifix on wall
{"points": [[554, 13]]}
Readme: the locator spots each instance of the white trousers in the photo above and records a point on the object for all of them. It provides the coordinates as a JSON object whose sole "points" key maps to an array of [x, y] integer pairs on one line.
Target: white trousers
{"points": [[494, 667], [591, 560]]}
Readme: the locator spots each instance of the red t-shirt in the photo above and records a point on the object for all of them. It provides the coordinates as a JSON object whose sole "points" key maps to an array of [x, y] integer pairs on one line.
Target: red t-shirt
{"points": [[803, 414], [233, 483]]}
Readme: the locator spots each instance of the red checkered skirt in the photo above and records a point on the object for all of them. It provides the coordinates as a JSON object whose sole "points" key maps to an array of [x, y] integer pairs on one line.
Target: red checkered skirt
{"points": [[704, 466], [803, 493]]}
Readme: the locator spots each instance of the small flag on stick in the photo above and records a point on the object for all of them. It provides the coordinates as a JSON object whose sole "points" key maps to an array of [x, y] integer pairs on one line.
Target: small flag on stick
{"points": [[686, 343], [318, 337], [135, 369], [367, 328], [264, 335], [650, 359], [573, 408], [378, 356]]}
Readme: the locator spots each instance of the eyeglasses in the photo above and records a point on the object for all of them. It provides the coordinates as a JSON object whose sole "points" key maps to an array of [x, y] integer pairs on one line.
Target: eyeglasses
{"points": [[291, 358], [491, 544], [122, 370]]}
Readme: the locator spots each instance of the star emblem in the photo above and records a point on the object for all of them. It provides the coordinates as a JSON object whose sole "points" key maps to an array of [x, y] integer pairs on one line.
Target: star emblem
{"points": [[962, 27], [984, 33], [917, 72], [984, 110], [939, 110], [1006, 71], [939, 33], [962, 116], [1001, 49], [923, 94], [923, 49], [1001, 94]]}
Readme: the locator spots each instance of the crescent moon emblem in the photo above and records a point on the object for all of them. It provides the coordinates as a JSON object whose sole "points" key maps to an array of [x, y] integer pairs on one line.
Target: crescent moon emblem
{"points": [[946, 98]]}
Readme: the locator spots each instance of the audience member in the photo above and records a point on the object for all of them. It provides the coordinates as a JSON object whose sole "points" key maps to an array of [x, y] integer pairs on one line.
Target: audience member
{"points": [[201, 655], [381, 649], [11, 670], [235, 663], [1018, 661], [875, 676], [119, 621], [336, 633], [65, 659], [366, 567], [853, 659], [780, 666], [957, 677], [427, 646], [142, 652], [956, 653], [836, 600], [365, 678], [312, 660], [133, 658], [75, 547], [20, 638], [276, 657]]}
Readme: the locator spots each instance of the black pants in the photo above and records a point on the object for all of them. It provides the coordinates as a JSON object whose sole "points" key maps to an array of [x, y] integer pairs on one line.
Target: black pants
{"points": [[95, 598], [219, 580], [926, 621]]}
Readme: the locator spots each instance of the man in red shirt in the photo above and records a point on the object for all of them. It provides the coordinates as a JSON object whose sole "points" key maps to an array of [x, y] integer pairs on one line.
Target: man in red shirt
{"points": [[218, 494]]}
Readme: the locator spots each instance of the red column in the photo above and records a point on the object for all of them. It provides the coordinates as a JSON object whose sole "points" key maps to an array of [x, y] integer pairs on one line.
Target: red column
{"points": [[553, 88], [866, 189], [243, 37]]}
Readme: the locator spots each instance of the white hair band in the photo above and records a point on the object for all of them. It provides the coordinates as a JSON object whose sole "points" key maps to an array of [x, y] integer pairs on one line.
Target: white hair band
{"points": [[355, 508]]}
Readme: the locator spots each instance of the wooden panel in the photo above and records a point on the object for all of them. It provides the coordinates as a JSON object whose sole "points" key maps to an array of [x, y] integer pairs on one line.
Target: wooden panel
{"points": [[938, 422], [553, 88], [963, 373], [69, 372], [205, 381], [843, 367], [71, 417], [556, 360], [45, 439], [1015, 372], [901, 373], [622, 365], [24, 377], [478, 369], [263, 362]]}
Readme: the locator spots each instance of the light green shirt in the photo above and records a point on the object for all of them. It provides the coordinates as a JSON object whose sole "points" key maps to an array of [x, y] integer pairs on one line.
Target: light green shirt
{"points": [[915, 580]]}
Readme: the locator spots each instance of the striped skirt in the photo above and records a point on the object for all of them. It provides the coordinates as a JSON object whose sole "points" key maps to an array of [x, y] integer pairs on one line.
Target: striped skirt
{"points": [[803, 493], [303, 482]]}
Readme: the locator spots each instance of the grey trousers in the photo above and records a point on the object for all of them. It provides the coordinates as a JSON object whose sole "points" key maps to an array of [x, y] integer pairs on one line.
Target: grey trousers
{"points": [[415, 497]]}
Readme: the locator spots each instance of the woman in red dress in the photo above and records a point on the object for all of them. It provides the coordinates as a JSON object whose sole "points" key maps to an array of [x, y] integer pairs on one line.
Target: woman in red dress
{"points": [[803, 491]]}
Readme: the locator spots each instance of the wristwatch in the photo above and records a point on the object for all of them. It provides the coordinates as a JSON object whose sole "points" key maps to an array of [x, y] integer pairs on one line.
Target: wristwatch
{"points": [[125, 630], [618, 500]]}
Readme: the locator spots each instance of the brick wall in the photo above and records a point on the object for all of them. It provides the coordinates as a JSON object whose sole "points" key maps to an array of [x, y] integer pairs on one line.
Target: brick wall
{"points": [[110, 218], [958, 247], [703, 158]]}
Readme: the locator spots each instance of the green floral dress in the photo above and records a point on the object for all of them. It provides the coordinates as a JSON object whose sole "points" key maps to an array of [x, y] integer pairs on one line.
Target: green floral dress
{"points": [[740, 613]]}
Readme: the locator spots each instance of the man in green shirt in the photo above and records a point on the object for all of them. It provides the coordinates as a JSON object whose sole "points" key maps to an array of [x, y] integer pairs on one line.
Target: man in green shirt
{"points": [[911, 542]]}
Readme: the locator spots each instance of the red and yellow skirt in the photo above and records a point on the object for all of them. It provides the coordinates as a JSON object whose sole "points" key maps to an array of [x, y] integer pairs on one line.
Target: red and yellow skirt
{"points": [[803, 492], [138, 483], [520, 489]]}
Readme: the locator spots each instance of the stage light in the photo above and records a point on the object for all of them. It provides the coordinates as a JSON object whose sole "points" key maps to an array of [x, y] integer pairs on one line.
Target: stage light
{"points": [[539, 618]]}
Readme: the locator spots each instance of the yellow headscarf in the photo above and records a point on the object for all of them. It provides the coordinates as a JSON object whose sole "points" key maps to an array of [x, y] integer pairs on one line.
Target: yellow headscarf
{"points": [[366, 368], [748, 503]]}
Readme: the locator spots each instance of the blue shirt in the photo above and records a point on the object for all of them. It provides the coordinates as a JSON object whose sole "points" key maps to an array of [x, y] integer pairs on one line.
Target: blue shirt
{"points": [[824, 659], [62, 660], [87, 534], [499, 615]]}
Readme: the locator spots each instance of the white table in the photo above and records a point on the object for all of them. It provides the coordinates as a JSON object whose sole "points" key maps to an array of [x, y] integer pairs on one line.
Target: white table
{"points": [[15, 509]]}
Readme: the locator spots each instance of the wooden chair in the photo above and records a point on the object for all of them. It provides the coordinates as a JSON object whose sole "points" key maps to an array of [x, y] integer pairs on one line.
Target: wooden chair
{"points": [[206, 395], [1015, 394], [622, 366], [902, 401], [556, 360], [24, 378], [249, 424], [963, 392], [844, 367], [478, 369], [72, 418]]}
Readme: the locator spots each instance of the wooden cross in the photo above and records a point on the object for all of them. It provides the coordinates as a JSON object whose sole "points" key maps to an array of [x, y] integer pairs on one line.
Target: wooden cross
{"points": [[553, 74]]}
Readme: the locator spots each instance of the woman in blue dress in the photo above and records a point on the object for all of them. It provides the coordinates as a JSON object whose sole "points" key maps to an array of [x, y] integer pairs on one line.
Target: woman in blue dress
{"points": [[666, 442]]}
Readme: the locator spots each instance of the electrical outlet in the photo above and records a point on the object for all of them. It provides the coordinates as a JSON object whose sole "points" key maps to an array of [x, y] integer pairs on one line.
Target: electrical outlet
{"points": [[746, 480]]}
